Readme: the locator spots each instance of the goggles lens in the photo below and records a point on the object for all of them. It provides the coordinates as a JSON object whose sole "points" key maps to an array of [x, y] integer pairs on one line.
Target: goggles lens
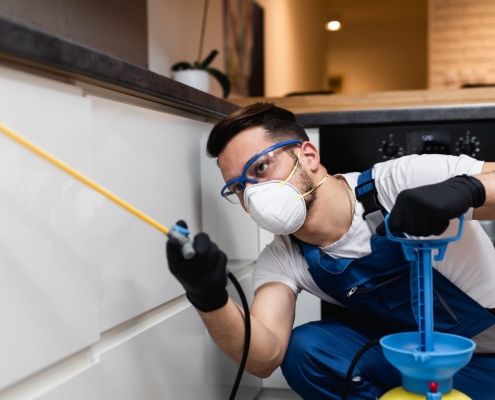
{"points": [[259, 169]]}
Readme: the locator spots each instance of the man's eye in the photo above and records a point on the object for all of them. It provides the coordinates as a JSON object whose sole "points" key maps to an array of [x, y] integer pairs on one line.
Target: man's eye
{"points": [[262, 167]]}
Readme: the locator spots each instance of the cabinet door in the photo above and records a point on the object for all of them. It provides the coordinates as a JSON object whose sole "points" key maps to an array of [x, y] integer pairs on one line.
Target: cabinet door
{"points": [[228, 224], [48, 274], [151, 160], [175, 359]]}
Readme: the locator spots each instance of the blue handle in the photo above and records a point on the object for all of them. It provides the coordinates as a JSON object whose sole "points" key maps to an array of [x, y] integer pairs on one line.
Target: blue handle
{"points": [[418, 251], [409, 245]]}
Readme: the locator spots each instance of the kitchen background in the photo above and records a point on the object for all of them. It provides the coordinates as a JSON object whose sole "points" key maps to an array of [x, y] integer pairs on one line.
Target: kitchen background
{"points": [[90, 310], [382, 45]]}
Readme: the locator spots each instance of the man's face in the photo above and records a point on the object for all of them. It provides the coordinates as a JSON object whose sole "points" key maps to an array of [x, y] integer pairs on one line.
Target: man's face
{"points": [[248, 144]]}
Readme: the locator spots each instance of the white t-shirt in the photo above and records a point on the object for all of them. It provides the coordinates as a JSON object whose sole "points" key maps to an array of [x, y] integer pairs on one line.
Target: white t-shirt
{"points": [[468, 262]]}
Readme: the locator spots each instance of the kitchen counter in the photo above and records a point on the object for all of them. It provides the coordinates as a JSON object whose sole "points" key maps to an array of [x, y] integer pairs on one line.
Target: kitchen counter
{"points": [[65, 60], [387, 107], [451, 113]]}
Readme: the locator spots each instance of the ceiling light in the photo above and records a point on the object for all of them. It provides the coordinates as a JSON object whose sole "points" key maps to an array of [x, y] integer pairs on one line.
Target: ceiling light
{"points": [[333, 26]]}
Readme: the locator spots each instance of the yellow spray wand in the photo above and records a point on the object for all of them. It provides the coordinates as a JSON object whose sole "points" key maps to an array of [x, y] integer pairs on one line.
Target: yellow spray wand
{"points": [[176, 232]]}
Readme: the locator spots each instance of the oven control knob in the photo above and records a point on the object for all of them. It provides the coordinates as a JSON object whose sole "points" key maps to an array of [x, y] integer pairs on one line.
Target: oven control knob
{"points": [[466, 146], [390, 149]]}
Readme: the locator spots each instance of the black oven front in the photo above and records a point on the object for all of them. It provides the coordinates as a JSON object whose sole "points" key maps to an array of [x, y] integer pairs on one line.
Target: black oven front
{"points": [[356, 148]]}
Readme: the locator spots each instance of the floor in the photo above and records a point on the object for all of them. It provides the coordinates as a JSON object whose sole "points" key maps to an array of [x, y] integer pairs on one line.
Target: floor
{"points": [[278, 394]]}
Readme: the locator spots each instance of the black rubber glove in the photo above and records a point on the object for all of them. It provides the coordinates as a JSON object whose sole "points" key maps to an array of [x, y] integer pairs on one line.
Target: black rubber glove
{"points": [[427, 210], [204, 276]]}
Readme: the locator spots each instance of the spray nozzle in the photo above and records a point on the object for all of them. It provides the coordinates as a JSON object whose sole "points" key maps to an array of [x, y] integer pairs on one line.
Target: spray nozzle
{"points": [[181, 233]]}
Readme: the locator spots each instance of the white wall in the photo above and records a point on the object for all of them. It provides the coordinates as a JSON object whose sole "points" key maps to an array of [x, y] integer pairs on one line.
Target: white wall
{"points": [[174, 30]]}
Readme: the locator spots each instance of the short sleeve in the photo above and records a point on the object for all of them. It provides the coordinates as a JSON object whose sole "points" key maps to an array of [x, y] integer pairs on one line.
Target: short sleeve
{"points": [[392, 177], [277, 263]]}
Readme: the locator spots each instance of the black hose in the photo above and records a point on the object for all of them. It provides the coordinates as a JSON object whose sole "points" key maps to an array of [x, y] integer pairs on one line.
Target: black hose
{"points": [[247, 341], [247, 335], [355, 360]]}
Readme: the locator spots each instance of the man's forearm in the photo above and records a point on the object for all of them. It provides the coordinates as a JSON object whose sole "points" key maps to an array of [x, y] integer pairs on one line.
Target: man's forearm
{"points": [[226, 327], [488, 181], [487, 178]]}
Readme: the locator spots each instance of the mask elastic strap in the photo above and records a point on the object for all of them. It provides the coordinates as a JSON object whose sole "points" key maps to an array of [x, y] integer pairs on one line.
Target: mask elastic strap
{"points": [[300, 196], [293, 170]]}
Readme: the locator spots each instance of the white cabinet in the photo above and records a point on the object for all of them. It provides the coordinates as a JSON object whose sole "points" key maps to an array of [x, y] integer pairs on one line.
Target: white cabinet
{"points": [[177, 360], [227, 224], [85, 386], [75, 268], [48, 273], [151, 160]]}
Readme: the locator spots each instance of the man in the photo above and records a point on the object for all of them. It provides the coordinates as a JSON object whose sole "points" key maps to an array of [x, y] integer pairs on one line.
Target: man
{"points": [[325, 246]]}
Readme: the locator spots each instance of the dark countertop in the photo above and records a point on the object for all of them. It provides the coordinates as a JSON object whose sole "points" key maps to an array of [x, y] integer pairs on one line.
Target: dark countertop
{"points": [[24, 45], [450, 113]]}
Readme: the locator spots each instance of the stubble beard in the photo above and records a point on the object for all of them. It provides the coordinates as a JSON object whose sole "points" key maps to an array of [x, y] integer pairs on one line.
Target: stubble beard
{"points": [[307, 185]]}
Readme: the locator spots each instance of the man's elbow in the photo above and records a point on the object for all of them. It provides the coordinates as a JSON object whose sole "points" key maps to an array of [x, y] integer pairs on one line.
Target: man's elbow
{"points": [[263, 370], [262, 373]]}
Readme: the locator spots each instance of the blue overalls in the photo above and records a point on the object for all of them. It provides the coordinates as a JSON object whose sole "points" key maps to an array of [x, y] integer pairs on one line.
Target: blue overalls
{"points": [[376, 289]]}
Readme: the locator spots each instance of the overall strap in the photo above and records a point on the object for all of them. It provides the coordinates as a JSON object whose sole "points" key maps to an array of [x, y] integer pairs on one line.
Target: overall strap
{"points": [[367, 195]]}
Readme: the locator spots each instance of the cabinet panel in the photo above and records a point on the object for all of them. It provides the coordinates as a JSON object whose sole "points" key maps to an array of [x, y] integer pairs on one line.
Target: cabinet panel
{"points": [[225, 370], [48, 274], [228, 224], [86, 386], [151, 160], [176, 359]]}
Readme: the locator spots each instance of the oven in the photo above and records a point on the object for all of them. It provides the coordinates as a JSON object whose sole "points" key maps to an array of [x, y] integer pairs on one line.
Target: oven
{"points": [[356, 148]]}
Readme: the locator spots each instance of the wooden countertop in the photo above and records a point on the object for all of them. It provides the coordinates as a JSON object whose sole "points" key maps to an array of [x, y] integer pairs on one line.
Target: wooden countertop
{"points": [[378, 100]]}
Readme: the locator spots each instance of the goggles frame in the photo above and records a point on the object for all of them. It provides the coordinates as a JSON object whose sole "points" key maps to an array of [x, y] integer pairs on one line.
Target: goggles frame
{"points": [[243, 178]]}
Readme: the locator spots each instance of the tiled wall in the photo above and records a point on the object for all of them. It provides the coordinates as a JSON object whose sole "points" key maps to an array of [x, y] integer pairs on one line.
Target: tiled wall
{"points": [[461, 43]]}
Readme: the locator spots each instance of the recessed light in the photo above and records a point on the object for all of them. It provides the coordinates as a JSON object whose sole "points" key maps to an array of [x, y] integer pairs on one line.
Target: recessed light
{"points": [[333, 26]]}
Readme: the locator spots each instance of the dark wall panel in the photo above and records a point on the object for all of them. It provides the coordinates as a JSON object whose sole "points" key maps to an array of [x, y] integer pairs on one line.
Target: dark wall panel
{"points": [[114, 27]]}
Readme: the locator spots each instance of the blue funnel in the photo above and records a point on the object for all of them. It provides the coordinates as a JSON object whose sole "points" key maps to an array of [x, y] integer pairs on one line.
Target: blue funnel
{"points": [[418, 368]]}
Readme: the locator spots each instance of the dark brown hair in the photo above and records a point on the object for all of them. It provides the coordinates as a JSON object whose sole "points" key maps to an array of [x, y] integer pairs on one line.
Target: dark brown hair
{"points": [[280, 124]]}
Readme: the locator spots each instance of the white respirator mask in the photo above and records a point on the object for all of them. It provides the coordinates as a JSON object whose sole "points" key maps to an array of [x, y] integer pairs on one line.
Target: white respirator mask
{"points": [[277, 206]]}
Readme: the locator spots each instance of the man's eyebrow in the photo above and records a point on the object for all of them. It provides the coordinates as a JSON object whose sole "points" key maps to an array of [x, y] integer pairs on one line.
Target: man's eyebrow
{"points": [[252, 159], [248, 161]]}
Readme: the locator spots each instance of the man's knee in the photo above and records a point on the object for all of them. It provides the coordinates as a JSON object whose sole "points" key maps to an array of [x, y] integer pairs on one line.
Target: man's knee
{"points": [[295, 352], [319, 356], [301, 353]]}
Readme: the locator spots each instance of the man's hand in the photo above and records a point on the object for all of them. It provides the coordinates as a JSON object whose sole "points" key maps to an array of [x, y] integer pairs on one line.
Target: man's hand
{"points": [[204, 276], [427, 210]]}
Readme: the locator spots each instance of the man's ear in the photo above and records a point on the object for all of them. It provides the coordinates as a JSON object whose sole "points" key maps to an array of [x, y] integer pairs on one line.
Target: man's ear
{"points": [[311, 155]]}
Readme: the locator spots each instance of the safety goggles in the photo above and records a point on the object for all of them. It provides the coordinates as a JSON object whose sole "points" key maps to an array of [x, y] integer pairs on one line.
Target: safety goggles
{"points": [[259, 168]]}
